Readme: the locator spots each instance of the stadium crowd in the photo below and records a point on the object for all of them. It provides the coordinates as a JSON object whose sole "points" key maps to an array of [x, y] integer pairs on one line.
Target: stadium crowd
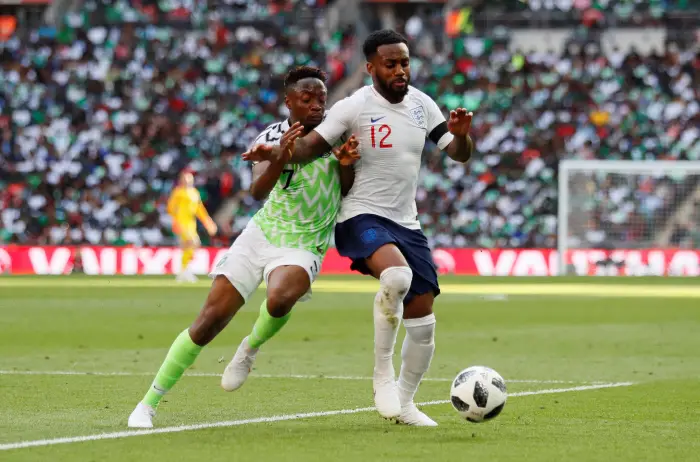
{"points": [[98, 118]]}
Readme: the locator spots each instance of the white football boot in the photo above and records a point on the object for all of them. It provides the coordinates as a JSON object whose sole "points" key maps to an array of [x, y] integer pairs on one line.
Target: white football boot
{"points": [[386, 397], [142, 416], [411, 415], [240, 366]]}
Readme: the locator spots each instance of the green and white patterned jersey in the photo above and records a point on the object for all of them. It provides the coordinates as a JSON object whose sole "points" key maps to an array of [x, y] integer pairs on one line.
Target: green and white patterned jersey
{"points": [[301, 209]]}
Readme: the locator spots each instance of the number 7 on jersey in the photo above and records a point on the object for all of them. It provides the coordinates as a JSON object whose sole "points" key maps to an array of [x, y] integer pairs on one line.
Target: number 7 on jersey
{"points": [[385, 130]]}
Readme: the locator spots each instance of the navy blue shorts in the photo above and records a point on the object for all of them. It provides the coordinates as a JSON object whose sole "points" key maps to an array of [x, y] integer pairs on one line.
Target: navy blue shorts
{"points": [[359, 237]]}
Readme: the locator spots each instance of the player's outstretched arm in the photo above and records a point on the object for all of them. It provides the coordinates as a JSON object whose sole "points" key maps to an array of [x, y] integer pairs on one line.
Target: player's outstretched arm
{"points": [[303, 150], [461, 147], [267, 173], [347, 178], [347, 155], [206, 220], [309, 148]]}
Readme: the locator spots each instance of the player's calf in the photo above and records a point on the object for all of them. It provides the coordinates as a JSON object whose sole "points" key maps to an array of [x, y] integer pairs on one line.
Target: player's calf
{"points": [[394, 283], [221, 305], [286, 285], [188, 247], [416, 355]]}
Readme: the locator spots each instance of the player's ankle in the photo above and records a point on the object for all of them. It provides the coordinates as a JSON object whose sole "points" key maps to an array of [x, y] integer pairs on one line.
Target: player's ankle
{"points": [[384, 371]]}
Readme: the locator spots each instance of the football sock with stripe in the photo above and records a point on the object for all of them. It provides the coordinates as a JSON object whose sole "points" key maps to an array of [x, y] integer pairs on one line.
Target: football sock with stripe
{"points": [[266, 326], [181, 356]]}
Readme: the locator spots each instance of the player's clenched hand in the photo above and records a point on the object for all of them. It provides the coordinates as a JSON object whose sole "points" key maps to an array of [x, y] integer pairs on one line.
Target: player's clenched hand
{"points": [[460, 122], [288, 139], [347, 154]]}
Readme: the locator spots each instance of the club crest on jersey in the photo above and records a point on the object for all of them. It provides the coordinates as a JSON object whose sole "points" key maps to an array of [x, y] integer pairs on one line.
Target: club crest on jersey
{"points": [[418, 116]]}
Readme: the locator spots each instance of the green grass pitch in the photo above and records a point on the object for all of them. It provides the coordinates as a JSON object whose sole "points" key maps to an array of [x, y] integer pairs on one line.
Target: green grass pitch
{"points": [[598, 369]]}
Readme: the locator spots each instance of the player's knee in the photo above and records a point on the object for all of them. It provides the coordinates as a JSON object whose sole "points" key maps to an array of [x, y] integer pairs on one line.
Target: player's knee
{"points": [[280, 301], [396, 280], [394, 285], [421, 331]]}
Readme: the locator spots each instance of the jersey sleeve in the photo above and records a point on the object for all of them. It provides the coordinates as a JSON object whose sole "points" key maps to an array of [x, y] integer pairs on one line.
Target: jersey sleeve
{"points": [[437, 125], [339, 119], [260, 139], [271, 135], [202, 213]]}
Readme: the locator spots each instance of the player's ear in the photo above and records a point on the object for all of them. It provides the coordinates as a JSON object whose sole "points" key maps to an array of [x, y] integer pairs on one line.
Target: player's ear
{"points": [[369, 66], [287, 102]]}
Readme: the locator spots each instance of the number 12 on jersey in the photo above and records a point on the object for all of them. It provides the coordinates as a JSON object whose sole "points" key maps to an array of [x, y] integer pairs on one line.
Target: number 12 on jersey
{"points": [[383, 130]]}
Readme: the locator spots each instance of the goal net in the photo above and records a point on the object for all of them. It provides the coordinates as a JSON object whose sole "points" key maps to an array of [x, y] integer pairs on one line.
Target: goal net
{"points": [[629, 218]]}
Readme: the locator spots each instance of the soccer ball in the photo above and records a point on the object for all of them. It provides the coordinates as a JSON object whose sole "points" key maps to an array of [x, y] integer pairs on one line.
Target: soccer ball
{"points": [[478, 393]]}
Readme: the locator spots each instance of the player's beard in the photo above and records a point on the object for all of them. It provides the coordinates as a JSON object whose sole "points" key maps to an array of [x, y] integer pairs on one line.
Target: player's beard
{"points": [[392, 92]]}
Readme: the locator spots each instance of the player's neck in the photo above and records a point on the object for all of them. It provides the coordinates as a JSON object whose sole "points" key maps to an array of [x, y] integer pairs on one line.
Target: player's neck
{"points": [[392, 99]]}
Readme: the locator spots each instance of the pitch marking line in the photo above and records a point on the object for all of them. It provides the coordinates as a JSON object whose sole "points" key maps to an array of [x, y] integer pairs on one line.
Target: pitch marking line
{"points": [[278, 418], [266, 376], [600, 290]]}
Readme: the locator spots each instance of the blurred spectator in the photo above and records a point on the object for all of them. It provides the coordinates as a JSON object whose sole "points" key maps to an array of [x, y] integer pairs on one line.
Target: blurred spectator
{"points": [[97, 119]]}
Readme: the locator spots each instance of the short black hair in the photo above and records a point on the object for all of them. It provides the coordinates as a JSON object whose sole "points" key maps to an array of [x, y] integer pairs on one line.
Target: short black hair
{"points": [[301, 73], [379, 38]]}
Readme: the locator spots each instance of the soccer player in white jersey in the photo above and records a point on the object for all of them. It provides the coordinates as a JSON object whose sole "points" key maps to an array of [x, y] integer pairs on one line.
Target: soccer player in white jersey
{"points": [[283, 244], [377, 225]]}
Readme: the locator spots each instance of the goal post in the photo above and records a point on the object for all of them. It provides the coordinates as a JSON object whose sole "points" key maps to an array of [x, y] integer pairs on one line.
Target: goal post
{"points": [[628, 218]]}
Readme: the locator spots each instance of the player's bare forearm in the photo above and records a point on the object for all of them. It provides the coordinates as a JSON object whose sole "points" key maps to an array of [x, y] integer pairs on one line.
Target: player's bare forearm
{"points": [[309, 148], [460, 148], [265, 176], [347, 178]]}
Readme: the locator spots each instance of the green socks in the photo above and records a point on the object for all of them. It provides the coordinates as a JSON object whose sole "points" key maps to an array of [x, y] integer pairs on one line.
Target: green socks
{"points": [[182, 354], [265, 327]]}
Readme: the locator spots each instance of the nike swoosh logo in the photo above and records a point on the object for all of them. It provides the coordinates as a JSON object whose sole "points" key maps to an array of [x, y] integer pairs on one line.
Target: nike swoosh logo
{"points": [[377, 119]]}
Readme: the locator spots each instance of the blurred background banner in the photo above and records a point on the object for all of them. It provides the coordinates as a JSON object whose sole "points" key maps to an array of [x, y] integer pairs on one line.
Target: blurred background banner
{"points": [[96, 260]]}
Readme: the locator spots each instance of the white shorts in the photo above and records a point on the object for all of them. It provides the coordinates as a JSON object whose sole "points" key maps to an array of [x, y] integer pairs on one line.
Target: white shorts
{"points": [[252, 258]]}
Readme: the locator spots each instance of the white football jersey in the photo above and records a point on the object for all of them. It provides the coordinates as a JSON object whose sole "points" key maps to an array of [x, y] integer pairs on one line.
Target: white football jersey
{"points": [[391, 140]]}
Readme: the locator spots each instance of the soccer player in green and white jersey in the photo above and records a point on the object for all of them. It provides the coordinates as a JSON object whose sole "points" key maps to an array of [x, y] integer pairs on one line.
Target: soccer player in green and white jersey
{"points": [[283, 244]]}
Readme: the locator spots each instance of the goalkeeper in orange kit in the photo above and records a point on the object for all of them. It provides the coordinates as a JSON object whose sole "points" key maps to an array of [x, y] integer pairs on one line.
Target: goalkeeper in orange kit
{"points": [[185, 206]]}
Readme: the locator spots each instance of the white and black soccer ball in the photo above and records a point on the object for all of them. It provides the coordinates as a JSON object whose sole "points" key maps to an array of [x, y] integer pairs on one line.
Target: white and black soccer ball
{"points": [[478, 393]]}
